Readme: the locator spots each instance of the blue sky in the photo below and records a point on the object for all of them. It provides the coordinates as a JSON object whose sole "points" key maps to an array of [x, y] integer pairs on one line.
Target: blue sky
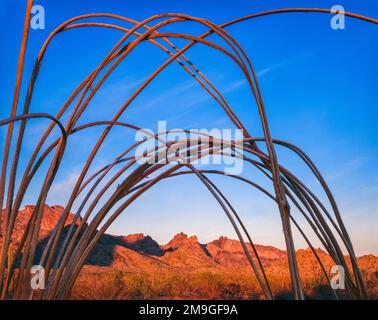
{"points": [[318, 84]]}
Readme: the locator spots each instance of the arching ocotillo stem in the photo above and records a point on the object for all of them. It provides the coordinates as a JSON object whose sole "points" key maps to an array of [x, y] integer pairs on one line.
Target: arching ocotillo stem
{"points": [[4, 165], [24, 117]]}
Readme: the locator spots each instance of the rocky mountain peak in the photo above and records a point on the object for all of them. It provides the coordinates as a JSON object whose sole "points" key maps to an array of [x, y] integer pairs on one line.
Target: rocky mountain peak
{"points": [[181, 239], [141, 243]]}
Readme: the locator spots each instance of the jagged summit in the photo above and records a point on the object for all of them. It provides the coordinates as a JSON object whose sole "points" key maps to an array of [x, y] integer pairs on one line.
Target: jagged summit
{"points": [[181, 239]]}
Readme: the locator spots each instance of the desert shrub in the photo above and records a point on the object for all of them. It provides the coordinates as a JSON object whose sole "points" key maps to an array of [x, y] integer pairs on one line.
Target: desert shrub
{"points": [[371, 280], [207, 285], [139, 286], [99, 286], [231, 291]]}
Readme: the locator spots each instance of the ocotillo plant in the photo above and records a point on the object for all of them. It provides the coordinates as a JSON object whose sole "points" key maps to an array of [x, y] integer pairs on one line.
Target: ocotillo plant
{"points": [[66, 252]]}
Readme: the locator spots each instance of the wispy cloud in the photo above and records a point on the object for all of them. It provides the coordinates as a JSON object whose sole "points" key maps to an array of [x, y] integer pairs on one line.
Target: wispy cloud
{"points": [[283, 64], [195, 98], [118, 89], [163, 97], [60, 191], [349, 166], [270, 69], [235, 85]]}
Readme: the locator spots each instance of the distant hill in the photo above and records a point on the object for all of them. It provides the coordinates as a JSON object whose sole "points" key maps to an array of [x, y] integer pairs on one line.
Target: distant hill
{"points": [[136, 266]]}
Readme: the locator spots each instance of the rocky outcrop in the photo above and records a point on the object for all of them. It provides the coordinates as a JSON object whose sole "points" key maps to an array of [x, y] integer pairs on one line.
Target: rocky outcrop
{"points": [[49, 220], [144, 244]]}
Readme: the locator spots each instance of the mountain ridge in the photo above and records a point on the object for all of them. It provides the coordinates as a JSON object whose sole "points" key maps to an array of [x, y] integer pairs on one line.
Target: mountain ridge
{"points": [[145, 244], [183, 255]]}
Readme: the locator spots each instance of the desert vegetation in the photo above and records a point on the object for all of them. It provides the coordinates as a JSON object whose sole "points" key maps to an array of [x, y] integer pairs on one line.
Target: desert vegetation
{"points": [[112, 284]]}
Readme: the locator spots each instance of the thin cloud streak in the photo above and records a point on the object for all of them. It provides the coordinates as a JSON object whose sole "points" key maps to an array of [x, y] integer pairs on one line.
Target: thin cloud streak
{"points": [[282, 64]]}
